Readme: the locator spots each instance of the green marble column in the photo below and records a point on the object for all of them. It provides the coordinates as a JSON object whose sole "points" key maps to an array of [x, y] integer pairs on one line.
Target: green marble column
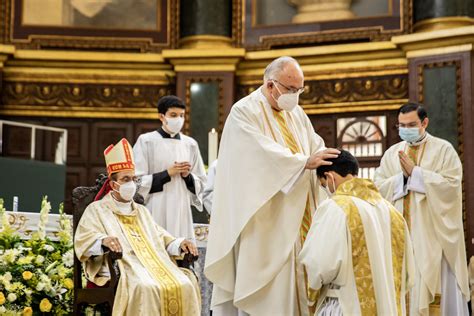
{"points": [[431, 9], [205, 17]]}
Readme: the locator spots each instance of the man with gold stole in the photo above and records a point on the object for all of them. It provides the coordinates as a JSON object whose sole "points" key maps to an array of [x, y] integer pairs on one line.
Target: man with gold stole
{"points": [[263, 199], [150, 282], [422, 177], [358, 254]]}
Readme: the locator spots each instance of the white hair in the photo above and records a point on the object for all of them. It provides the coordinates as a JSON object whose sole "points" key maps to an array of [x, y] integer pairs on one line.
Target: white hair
{"points": [[274, 68]]}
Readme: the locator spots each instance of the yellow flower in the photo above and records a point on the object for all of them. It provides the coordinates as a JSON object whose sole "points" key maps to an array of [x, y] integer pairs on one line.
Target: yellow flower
{"points": [[68, 283], [2, 298], [45, 305], [27, 311], [27, 275]]}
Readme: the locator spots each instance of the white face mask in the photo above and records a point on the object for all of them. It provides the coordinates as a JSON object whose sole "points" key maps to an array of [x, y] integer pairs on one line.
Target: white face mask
{"points": [[174, 124], [127, 190], [286, 101]]}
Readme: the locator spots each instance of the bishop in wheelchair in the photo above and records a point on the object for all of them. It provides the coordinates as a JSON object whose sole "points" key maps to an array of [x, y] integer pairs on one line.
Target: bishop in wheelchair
{"points": [[150, 281]]}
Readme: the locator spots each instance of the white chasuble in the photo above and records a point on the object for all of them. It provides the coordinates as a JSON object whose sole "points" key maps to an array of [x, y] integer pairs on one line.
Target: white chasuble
{"points": [[431, 200], [171, 208], [150, 282], [260, 196], [358, 254]]}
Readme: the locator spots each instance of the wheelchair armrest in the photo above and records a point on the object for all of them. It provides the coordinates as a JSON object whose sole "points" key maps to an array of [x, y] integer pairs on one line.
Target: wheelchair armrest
{"points": [[187, 262], [112, 254]]}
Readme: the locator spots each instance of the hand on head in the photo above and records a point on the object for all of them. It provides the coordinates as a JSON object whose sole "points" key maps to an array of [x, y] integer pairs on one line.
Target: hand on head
{"points": [[320, 158]]}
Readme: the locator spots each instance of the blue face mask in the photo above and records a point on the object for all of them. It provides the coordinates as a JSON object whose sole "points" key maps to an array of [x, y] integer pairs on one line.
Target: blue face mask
{"points": [[410, 135]]}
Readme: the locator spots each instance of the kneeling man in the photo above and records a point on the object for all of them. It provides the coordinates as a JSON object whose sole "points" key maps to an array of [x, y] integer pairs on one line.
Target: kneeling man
{"points": [[150, 282], [358, 254]]}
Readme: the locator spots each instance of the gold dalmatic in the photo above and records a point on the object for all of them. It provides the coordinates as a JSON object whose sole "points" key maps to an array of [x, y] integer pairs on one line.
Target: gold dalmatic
{"points": [[169, 288], [366, 190], [360, 256]]}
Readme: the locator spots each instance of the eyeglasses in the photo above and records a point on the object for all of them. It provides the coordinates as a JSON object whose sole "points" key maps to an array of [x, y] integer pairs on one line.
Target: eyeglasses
{"points": [[127, 179], [289, 89], [408, 125]]}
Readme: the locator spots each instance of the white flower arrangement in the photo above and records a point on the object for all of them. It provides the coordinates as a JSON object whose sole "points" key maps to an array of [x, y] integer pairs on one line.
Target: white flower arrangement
{"points": [[36, 274]]}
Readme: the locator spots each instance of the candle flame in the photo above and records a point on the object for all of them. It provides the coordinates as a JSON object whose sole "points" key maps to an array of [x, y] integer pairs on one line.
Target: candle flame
{"points": [[213, 130]]}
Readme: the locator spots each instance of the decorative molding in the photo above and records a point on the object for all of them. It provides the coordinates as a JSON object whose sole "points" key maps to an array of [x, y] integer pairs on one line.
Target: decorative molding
{"points": [[88, 75], [201, 60], [78, 112], [435, 39], [237, 30], [26, 223], [82, 95], [392, 87], [81, 100]]}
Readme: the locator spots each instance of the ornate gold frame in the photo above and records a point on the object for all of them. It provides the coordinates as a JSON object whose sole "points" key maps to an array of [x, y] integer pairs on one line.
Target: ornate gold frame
{"points": [[293, 34], [143, 41]]}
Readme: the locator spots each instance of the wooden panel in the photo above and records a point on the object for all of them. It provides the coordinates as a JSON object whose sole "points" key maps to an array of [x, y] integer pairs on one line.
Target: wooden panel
{"points": [[94, 174], [325, 126], [77, 141], [107, 133], [17, 141], [144, 127], [75, 176], [392, 130], [226, 91]]}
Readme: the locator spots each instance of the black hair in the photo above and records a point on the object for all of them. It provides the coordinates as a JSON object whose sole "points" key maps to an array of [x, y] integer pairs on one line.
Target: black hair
{"points": [[343, 165], [412, 106], [170, 101]]}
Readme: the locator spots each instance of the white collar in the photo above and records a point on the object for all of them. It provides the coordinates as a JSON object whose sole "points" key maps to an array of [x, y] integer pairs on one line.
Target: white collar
{"points": [[422, 140], [124, 207]]}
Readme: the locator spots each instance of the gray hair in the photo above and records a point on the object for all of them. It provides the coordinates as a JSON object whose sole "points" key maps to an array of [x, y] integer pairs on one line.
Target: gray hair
{"points": [[276, 67]]}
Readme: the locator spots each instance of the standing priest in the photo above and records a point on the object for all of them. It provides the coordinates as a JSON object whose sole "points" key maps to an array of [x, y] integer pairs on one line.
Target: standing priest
{"points": [[150, 282], [263, 199], [422, 177]]}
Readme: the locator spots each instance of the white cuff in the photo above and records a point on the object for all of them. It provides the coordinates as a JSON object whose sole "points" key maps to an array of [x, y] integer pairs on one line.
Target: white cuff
{"points": [[174, 248], [400, 189], [96, 248], [145, 185], [289, 185], [415, 181]]}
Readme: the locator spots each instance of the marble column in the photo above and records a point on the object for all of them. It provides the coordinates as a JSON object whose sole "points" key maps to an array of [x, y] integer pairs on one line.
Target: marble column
{"points": [[205, 23], [432, 15]]}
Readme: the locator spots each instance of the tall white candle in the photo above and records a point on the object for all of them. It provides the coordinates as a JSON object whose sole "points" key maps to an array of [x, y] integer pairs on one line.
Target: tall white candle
{"points": [[212, 146], [15, 204]]}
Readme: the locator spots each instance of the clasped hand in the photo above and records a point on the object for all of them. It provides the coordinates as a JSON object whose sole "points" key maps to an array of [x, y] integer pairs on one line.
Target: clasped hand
{"points": [[183, 168], [406, 163]]}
